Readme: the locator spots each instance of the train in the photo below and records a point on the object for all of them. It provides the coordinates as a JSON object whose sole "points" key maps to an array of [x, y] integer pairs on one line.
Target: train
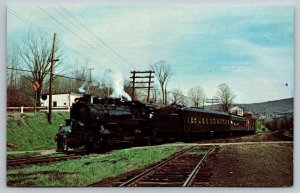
{"points": [[97, 123]]}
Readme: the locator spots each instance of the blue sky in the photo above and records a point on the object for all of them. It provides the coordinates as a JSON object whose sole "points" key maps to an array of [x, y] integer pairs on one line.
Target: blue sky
{"points": [[247, 47]]}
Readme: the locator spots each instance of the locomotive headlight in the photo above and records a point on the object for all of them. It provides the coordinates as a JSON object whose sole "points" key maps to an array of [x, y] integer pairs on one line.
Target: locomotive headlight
{"points": [[151, 116], [81, 124]]}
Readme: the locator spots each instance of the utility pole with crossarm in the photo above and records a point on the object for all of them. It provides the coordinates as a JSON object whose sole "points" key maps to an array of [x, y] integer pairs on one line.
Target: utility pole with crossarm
{"points": [[51, 77]]}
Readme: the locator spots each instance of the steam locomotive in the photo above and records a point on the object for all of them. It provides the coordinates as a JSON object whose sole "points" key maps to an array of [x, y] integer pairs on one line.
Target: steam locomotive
{"points": [[97, 123]]}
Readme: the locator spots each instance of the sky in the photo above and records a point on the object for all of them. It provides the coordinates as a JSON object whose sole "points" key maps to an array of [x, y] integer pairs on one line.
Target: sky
{"points": [[250, 48]]}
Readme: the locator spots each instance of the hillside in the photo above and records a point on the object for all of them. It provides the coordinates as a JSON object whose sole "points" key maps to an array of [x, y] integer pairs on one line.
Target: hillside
{"points": [[269, 109]]}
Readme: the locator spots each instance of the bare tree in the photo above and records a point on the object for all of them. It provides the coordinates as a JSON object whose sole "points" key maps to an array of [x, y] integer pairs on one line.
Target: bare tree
{"points": [[163, 72], [13, 60], [81, 77], [177, 96], [155, 93], [197, 96], [36, 54], [226, 96], [14, 92]]}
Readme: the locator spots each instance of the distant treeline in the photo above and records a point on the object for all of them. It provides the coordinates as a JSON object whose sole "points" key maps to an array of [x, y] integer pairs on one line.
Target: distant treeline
{"points": [[279, 123]]}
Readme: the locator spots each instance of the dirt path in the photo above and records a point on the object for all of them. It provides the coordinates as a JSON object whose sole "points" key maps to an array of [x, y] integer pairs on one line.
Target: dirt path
{"points": [[249, 165]]}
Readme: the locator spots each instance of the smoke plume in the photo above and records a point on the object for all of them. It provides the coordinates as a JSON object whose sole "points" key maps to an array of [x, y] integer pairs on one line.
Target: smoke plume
{"points": [[117, 82]]}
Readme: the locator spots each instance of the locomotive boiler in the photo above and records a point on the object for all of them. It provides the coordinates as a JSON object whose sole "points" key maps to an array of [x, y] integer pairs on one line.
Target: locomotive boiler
{"points": [[96, 123]]}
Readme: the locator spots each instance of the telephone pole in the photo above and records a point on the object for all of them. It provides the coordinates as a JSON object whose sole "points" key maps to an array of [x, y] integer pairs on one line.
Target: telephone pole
{"points": [[51, 78], [134, 82], [212, 101], [90, 81]]}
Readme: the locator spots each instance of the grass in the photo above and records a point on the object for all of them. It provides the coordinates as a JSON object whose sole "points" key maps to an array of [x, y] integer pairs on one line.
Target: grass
{"points": [[22, 154], [260, 127], [88, 170], [27, 132]]}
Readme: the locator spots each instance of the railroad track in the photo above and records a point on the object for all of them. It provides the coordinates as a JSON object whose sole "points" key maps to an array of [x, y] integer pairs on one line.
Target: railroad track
{"points": [[280, 134], [179, 170], [35, 160]]}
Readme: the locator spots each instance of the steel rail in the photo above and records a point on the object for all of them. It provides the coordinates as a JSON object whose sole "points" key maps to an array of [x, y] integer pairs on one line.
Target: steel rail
{"points": [[130, 181], [196, 169], [37, 160]]}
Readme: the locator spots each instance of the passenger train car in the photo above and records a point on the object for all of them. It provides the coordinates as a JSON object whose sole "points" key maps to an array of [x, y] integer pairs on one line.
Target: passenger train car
{"points": [[192, 123], [101, 122]]}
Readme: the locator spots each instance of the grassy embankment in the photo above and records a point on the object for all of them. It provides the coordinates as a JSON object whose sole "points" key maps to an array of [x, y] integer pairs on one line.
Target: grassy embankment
{"points": [[89, 169], [29, 132]]}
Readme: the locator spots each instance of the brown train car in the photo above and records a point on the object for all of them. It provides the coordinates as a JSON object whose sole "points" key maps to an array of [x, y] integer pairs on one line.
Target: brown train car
{"points": [[198, 122], [190, 123], [185, 123]]}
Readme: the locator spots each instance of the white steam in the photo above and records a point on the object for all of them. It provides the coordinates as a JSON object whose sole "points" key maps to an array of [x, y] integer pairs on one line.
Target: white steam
{"points": [[117, 81], [83, 88]]}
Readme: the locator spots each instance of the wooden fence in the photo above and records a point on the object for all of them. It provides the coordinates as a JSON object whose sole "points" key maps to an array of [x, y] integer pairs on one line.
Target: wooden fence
{"points": [[31, 109]]}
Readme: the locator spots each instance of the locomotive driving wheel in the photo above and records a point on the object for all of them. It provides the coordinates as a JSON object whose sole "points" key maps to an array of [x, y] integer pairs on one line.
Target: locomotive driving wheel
{"points": [[96, 144]]}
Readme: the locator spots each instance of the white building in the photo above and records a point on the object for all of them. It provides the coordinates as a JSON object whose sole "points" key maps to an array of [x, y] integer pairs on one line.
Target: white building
{"points": [[237, 111], [60, 100]]}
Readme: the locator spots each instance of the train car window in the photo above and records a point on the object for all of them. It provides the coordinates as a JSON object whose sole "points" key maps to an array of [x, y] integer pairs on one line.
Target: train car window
{"points": [[203, 121], [195, 120], [192, 120]]}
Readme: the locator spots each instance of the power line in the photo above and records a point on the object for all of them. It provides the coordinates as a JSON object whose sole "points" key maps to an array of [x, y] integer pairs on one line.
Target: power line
{"points": [[104, 43], [53, 18], [37, 28], [89, 32], [27, 21], [85, 33], [68, 29], [48, 73]]}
